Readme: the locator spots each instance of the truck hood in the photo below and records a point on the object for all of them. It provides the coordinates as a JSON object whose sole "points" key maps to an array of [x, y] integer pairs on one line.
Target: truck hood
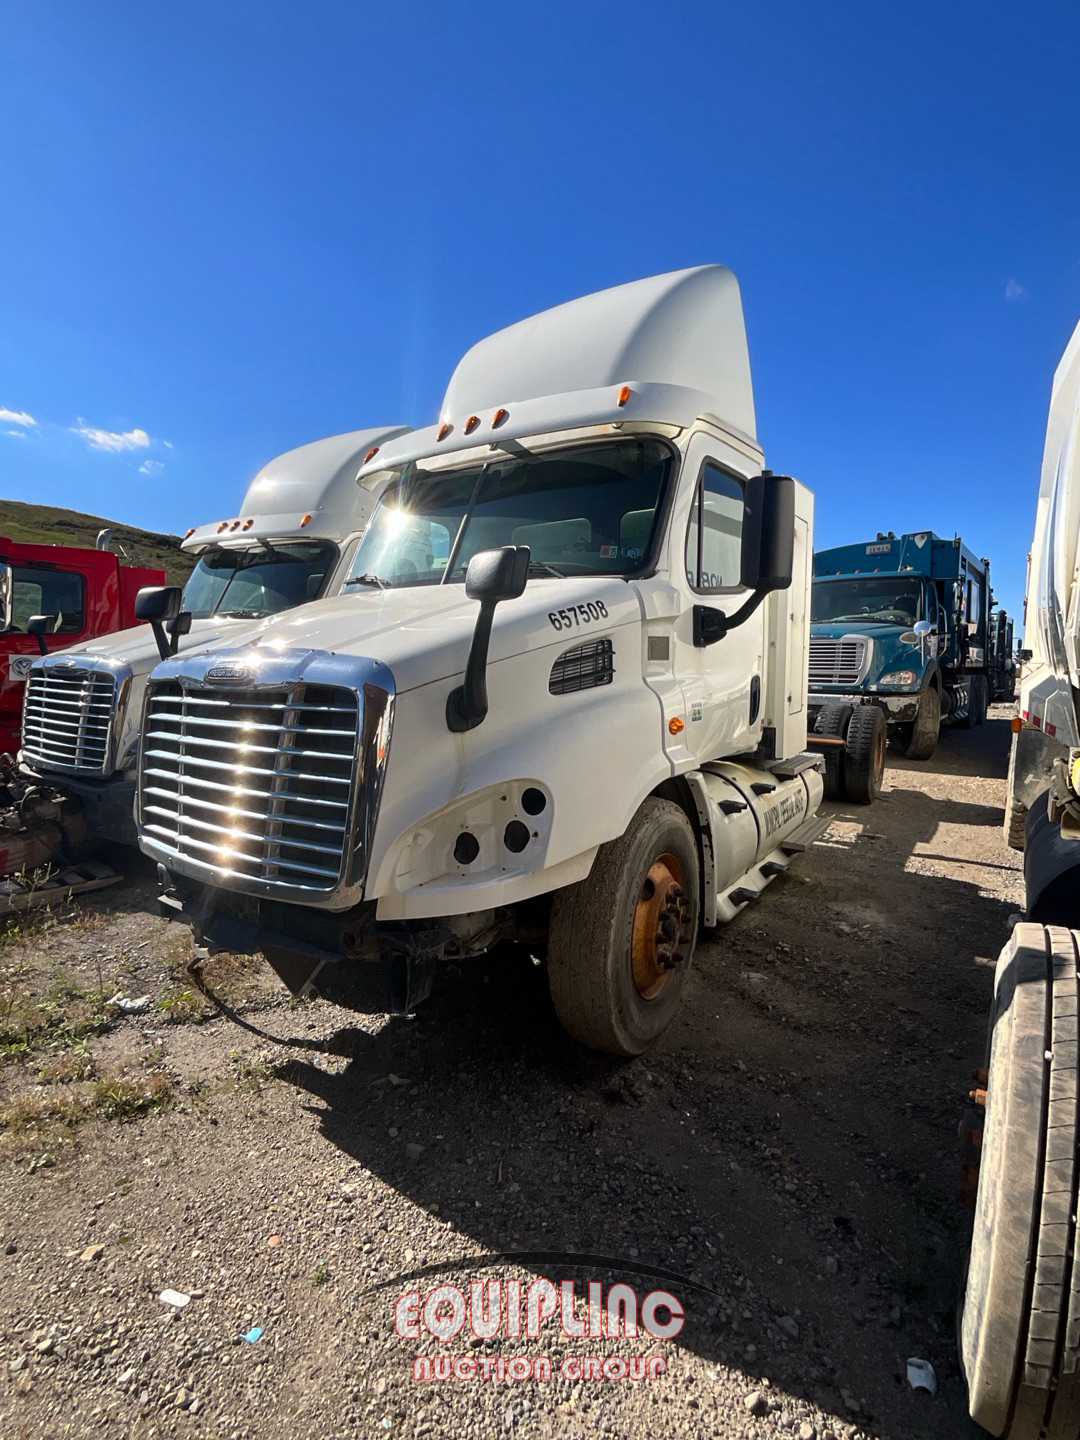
{"points": [[422, 633], [887, 651], [137, 647]]}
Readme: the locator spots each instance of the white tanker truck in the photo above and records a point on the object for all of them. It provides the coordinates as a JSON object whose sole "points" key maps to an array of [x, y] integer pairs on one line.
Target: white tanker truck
{"points": [[561, 698], [1020, 1313]]}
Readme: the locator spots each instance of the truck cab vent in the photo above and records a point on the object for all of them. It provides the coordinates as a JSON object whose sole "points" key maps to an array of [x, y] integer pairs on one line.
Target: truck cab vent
{"points": [[583, 668]]}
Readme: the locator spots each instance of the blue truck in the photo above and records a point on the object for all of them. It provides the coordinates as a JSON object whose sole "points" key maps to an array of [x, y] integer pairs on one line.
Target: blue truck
{"points": [[903, 623]]}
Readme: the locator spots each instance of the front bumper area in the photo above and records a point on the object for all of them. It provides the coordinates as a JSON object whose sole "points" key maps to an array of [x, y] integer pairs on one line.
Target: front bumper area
{"points": [[108, 806], [899, 709], [351, 959]]}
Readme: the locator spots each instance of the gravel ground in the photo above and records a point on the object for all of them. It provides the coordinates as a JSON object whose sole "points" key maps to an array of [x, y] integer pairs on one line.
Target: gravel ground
{"points": [[789, 1149]]}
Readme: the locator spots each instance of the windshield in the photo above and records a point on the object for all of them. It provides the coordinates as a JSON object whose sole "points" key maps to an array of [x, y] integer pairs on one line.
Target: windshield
{"points": [[258, 581], [891, 599], [590, 510]]}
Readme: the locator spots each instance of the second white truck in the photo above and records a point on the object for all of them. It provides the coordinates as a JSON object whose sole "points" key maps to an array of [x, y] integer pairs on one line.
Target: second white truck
{"points": [[561, 698], [291, 542]]}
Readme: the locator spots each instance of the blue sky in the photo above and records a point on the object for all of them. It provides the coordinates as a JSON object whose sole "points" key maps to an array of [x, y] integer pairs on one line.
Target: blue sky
{"points": [[228, 228]]}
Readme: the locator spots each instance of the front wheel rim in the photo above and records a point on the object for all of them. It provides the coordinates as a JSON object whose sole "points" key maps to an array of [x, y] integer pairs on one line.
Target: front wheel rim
{"points": [[661, 935]]}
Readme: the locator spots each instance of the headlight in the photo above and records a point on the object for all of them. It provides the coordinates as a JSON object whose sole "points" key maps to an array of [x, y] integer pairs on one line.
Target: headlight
{"points": [[899, 677]]}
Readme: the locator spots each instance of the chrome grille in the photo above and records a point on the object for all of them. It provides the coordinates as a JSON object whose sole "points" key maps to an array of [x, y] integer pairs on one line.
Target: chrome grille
{"points": [[582, 668], [254, 784], [837, 662], [68, 719]]}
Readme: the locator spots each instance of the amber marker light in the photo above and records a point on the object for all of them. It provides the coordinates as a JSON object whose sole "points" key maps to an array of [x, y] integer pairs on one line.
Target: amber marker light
{"points": [[499, 418], [223, 526], [676, 726], [371, 454], [444, 430], [1017, 724], [624, 395], [247, 525], [471, 423], [305, 521], [189, 533]]}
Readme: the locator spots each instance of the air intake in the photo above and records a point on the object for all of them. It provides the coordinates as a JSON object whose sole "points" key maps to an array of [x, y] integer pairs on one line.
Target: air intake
{"points": [[583, 668]]}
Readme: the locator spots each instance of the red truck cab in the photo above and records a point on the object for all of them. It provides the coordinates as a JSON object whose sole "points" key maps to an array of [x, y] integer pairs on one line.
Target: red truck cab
{"points": [[88, 591]]}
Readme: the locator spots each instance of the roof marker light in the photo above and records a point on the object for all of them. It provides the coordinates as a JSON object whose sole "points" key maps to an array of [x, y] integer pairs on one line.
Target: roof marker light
{"points": [[235, 525], [247, 524], [499, 418], [189, 533], [471, 423], [371, 454], [223, 526], [624, 395], [305, 521], [444, 430]]}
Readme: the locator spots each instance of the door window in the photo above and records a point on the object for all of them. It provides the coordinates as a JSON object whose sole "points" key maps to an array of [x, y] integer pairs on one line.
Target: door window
{"points": [[47, 592], [714, 539]]}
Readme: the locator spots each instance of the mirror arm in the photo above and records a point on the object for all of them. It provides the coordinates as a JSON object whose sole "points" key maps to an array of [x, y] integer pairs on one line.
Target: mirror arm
{"points": [[161, 639], [467, 704], [712, 625], [178, 628]]}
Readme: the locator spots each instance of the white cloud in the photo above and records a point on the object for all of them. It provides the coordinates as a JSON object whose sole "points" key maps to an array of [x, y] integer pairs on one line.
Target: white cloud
{"points": [[151, 467], [16, 417], [1015, 292], [16, 434], [111, 439]]}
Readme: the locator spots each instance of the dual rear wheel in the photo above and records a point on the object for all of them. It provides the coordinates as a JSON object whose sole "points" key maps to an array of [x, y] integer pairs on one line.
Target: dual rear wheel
{"points": [[854, 771]]}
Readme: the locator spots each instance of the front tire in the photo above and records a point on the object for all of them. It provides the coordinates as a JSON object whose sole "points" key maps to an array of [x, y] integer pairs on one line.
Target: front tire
{"points": [[921, 736], [620, 942]]}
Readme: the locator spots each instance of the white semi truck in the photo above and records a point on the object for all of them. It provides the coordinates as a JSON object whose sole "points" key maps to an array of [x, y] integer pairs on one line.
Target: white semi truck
{"points": [[1020, 1313], [292, 541], [561, 699]]}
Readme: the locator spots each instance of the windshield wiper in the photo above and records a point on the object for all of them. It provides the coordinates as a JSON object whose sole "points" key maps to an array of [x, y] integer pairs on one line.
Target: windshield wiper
{"points": [[368, 580], [242, 614], [541, 567]]}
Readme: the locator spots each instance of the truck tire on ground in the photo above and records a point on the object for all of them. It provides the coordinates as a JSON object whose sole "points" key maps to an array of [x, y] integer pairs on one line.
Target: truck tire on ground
{"points": [[864, 755], [1051, 868], [920, 738], [620, 942], [980, 691], [833, 720], [1019, 1322]]}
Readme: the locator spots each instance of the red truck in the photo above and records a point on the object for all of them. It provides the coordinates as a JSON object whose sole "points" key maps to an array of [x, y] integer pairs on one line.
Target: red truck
{"points": [[83, 592]]}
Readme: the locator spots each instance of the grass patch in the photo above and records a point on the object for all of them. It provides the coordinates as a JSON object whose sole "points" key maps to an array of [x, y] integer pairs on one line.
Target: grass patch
{"points": [[250, 1072], [38, 1127]]}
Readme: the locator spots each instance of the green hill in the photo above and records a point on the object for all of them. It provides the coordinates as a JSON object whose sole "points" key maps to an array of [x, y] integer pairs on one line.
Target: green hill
{"points": [[47, 525]]}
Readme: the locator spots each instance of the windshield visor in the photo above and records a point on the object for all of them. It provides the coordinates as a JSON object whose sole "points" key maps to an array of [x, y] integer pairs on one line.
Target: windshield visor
{"points": [[256, 582], [590, 510], [881, 599]]}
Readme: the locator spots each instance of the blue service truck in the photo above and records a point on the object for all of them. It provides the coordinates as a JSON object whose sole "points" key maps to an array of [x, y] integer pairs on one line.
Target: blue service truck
{"points": [[901, 622]]}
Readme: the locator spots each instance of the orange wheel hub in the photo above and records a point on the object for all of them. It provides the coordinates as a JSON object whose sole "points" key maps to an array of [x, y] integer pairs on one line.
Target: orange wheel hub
{"points": [[661, 936]]}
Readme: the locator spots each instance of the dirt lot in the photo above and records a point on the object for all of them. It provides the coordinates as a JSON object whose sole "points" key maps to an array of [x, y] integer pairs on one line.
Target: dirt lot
{"points": [[790, 1148]]}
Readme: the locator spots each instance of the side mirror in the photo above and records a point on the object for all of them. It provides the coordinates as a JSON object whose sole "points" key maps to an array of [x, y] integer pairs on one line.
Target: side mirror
{"points": [[923, 628], [1023, 656], [6, 597], [768, 536], [767, 561], [159, 605], [42, 625], [492, 576]]}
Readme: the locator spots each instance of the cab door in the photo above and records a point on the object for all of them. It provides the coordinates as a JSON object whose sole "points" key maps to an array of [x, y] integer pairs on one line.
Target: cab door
{"points": [[721, 683]]}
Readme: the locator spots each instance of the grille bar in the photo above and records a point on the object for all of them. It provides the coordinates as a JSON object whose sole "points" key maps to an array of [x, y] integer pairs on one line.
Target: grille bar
{"points": [[276, 812], [837, 661], [68, 720]]}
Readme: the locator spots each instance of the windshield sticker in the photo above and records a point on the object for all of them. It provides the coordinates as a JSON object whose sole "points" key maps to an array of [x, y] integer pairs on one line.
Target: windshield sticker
{"points": [[578, 615]]}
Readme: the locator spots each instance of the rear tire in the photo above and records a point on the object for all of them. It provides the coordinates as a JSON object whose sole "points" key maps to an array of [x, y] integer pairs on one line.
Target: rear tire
{"points": [[1019, 1323], [833, 720], [921, 736], [615, 981], [981, 692], [864, 755]]}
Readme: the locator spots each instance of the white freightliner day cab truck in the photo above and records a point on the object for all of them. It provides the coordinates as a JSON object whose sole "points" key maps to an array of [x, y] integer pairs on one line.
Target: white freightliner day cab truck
{"points": [[561, 701], [291, 542], [1020, 1313]]}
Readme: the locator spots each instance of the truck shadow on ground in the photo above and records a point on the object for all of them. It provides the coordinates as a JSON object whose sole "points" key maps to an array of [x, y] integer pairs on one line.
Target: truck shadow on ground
{"points": [[790, 1145], [981, 752]]}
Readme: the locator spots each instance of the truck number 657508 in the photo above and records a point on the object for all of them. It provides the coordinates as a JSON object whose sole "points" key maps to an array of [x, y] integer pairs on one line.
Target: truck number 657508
{"points": [[578, 615]]}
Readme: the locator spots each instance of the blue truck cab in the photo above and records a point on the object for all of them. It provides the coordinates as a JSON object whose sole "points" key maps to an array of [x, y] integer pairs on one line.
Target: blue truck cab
{"points": [[902, 622]]}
